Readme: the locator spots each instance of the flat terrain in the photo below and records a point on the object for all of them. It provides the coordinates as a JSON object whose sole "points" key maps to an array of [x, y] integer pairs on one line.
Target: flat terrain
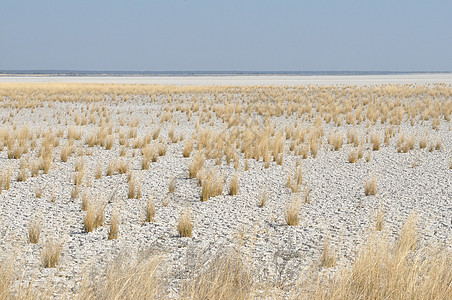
{"points": [[249, 80], [291, 177]]}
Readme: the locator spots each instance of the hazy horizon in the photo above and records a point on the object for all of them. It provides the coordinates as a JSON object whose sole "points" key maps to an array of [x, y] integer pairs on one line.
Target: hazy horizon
{"points": [[210, 72]]}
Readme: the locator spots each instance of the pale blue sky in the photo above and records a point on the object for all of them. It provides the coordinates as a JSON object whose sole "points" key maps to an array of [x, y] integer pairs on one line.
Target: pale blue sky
{"points": [[226, 35]]}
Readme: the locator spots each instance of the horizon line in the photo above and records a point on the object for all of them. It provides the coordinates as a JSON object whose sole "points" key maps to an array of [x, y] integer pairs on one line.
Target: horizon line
{"points": [[62, 72]]}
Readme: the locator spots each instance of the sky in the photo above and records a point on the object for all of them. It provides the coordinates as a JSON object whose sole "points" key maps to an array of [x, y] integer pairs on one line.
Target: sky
{"points": [[242, 35]]}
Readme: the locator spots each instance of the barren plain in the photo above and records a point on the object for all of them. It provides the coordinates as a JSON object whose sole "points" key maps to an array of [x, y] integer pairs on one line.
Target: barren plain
{"points": [[226, 191]]}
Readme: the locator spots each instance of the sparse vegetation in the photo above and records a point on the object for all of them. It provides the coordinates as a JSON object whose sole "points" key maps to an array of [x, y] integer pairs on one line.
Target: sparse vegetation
{"points": [[150, 210], [234, 185], [94, 216], [273, 138], [263, 199], [379, 219], [292, 215], [196, 165], [185, 226], [375, 140], [370, 187], [34, 230], [212, 185], [39, 191], [172, 185], [98, 174], [353, 156], [188, 148], [51, 252], [328, 255], [114, 226]]}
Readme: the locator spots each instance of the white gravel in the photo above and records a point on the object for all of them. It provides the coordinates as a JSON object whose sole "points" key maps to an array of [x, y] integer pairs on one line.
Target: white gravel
{"points": [[289, 80], [338, 209]]}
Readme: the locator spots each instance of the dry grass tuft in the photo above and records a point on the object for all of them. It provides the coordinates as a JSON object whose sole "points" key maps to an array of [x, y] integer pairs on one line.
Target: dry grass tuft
{"points": [[295, 182], [172, 185], [150, 210], [188, 148], [423, 142], [212, 185], [126, 278], [328, 255], [292, 214], [228, 276], [100, 217], [98, 173], [122, 166], [114, 226], [375, 140], [408, 236], [132, 184], [314, 147], [52, 197], [111, 168], [370, 187], [385, 270], [85, 201], [22, 176], [38, 192], [353, 156], [307, 195], [78, 177], [196, 165], [263, 199], [185, 226], [7, 179], [379, 219], [336, 140], [34, 230], [234, 185], [94, 216], [165, 201], [74, 192], [438, 145], [51, 253], [65, 152], [89, 219]]}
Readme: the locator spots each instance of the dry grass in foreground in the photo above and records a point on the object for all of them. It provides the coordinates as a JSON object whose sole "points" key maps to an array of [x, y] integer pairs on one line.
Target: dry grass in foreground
{"points": [[382, 269], [393, 270]]}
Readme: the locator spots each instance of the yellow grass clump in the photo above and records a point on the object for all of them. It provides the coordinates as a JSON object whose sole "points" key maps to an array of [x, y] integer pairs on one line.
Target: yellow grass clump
{"points": [[94, 216], [328, 255], [188, 147], [114, 226], [34, 230], [234, 185], [150, 210], [196, 165], [185, 226], [212, 185], [375, 140], [370, 187], [50, 254], [292, 213]]}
